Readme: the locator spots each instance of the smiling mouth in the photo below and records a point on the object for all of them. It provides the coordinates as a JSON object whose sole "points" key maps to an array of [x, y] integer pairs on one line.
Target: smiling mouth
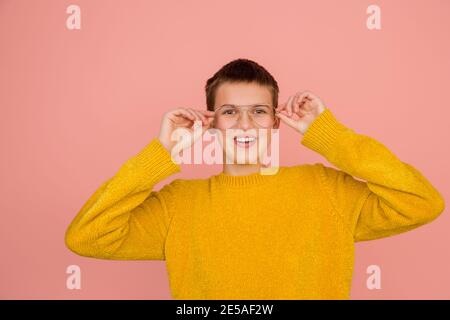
{"points": [[244, 141]]}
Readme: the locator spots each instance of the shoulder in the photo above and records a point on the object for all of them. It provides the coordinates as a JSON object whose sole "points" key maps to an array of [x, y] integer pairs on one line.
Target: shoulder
{"points": [[180, 192], [302, 169], [316, 171], [185, 185]]}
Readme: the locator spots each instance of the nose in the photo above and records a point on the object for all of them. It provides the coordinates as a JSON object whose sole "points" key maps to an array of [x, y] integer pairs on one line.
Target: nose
{"points": [[245, 121]]}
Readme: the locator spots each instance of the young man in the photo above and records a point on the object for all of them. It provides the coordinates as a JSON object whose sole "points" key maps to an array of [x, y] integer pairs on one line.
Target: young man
{"points": [[241, 234]]}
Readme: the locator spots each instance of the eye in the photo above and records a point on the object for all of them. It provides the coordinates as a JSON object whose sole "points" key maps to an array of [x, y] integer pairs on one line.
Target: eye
{"points": [[229, 111], [261, 110]]}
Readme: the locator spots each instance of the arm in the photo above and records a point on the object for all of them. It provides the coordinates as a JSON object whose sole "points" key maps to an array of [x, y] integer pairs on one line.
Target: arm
{"points": [[124, 219], [396, 197]]}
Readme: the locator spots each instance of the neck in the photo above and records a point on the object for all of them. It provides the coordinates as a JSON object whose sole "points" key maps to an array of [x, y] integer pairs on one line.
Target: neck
{"points": [[241, 169]]}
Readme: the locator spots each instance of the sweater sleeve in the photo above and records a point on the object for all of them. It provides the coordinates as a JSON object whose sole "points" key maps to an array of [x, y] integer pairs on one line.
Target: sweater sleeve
{"points": [[124, 219], [393, 196]]}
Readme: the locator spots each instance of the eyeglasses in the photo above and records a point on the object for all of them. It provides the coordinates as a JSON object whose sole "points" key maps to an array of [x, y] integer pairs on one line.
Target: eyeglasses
{"points": [[228, 114]]}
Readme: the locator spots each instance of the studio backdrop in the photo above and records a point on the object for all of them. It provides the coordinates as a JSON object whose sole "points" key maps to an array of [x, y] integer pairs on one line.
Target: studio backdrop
{"points": [[84, 86]]}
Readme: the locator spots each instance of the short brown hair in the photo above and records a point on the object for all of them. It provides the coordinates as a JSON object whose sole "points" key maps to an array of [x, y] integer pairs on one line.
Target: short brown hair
{"points": [[240, 70]]}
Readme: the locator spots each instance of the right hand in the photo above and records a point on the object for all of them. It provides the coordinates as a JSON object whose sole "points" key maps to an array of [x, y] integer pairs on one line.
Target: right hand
{"points": [[183, 118]]}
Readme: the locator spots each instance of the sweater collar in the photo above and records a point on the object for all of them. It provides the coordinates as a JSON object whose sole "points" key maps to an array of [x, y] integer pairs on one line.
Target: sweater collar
{"points": [[247, 180]]}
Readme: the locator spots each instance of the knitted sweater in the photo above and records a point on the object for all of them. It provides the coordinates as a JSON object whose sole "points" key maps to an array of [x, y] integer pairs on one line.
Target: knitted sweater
{"points": [[284, 236]]}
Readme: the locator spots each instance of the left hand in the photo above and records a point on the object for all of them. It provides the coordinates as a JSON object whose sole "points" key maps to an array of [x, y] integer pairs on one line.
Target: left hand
{"points": [[305, 105]]}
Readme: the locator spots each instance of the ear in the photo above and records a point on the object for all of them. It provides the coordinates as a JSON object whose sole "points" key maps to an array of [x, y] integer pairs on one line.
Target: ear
{"points": [[276, 125]]}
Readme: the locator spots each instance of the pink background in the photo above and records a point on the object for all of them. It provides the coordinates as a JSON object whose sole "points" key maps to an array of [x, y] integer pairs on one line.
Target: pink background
{"points": [[76, 104]]}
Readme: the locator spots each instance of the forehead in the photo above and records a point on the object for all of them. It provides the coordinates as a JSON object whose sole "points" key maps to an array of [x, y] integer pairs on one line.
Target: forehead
{"points": [[242, 93]]}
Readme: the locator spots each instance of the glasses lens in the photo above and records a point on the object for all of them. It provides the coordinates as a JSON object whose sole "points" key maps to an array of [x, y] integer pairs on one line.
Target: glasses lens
{"points": [[228, 115]]}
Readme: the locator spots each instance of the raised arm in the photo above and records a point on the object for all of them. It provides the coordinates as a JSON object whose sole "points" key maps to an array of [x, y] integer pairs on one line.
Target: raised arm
{"points": [[124, 218], [394, 198]]}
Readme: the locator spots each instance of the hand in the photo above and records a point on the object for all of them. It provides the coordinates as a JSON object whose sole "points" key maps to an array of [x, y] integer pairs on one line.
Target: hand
{"points": [[305, 105], [183, 118]]}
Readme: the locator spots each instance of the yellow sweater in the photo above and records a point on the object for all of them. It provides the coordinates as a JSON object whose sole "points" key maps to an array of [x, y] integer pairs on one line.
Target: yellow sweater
{"points": [[285, 236]]}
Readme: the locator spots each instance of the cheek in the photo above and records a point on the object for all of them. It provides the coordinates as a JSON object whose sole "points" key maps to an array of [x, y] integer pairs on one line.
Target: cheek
{"points": [[268, 123], [221, 139], [268, 138], [223, 124]]}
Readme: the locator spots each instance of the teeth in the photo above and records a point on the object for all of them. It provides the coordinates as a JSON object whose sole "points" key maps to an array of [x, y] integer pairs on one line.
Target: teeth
{"points": [[245, 139]]}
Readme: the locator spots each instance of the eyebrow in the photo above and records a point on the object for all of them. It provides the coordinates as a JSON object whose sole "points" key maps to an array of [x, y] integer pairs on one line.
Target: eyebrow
{"points": [[251, 105]]}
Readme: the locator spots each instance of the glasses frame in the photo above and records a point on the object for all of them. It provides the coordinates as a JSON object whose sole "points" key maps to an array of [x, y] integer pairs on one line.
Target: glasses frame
{"points": [[248, 106]]}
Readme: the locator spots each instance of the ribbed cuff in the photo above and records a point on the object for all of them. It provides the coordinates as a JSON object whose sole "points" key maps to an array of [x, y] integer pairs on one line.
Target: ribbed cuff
{"points": [[156, 161], [322, 133]]}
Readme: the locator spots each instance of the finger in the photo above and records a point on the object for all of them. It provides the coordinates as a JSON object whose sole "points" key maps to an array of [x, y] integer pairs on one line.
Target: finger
{"points": [[207, 112], [191, 111], [281, 106], [197, 133], [184, 114], [282, 112], [296, 104], [208, 118], [201, 116], [286, 119], [203, 111], [289, 105], [211, 116], [305, 95], [196, 117], [209, 124]]}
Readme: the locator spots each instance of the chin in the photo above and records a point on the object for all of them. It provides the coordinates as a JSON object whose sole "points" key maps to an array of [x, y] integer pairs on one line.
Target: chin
{"points": [[254, 159]]}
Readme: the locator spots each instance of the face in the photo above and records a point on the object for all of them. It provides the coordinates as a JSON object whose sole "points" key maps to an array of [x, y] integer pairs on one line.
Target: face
{"points": [[242, 110]]}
